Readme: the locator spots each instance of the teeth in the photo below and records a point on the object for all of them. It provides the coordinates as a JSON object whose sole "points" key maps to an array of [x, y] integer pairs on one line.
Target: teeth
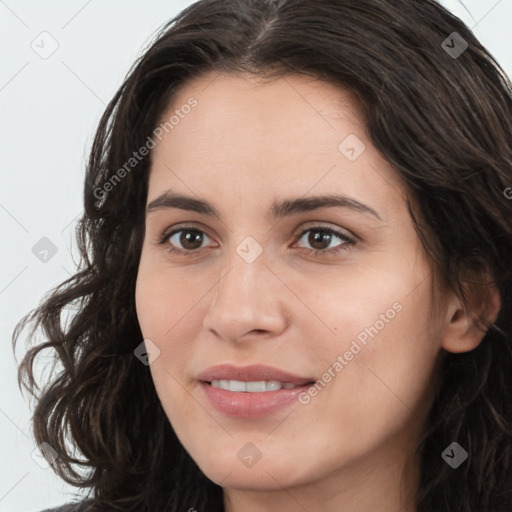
{"points": [[254, 386], [236, 385], [251, 387]]}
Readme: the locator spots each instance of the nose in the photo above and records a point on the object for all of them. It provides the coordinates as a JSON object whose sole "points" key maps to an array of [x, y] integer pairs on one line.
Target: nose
{"points": [[248, 300]]}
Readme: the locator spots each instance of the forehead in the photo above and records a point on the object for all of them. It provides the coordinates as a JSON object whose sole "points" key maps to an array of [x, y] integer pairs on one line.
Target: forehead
{"points": [[261, 137], [291, 109]]}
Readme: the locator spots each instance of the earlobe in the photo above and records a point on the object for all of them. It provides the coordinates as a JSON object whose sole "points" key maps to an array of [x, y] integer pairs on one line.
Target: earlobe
{"points": [[466, 328]]}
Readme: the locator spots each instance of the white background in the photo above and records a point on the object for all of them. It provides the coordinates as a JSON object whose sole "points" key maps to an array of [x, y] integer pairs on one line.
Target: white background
{"points": [[49, 109]]}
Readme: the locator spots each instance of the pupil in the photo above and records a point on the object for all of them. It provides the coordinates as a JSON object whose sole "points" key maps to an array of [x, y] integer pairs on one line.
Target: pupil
{"points": [[319, 237], [187, 239]]}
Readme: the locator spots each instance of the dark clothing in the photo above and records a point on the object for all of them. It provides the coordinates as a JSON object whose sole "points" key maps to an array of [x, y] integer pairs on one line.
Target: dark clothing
{"points": [[80, 506]]}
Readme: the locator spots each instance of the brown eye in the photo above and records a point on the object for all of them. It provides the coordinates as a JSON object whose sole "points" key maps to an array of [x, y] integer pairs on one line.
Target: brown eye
{"points": [[186, 240], [319, 238]]}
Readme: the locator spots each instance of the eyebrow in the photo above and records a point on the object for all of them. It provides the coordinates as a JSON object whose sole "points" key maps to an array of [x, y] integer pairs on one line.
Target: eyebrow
{"points": [[280, 209]]}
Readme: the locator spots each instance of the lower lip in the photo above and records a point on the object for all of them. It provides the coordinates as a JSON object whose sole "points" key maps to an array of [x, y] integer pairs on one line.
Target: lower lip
{"points": [[251, 405]]}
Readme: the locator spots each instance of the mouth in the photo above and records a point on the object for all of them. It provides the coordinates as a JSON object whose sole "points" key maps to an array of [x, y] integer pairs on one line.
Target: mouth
{"points": [[248, 399], [251, 378], [258, 386], [252, 391]]}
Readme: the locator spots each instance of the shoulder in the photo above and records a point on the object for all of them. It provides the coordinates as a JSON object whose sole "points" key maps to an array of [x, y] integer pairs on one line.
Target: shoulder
{"points": [[80, 506]]}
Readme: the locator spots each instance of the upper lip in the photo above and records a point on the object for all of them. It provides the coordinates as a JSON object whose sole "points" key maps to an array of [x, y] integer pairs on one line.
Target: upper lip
{"points": [[251, 373]]}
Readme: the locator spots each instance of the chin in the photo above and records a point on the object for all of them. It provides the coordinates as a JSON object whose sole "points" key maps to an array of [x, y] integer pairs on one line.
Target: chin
{"points": [[263, 476]]}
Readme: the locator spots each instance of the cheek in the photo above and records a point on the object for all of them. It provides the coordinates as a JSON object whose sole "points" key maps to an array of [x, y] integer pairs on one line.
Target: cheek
{"points": [[167, 310], [380, 347], [162, 298], [384, 374], [161, 310]]}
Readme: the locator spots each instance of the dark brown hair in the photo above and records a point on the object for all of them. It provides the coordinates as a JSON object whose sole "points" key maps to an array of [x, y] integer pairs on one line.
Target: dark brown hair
{"points": [[443, 121]]}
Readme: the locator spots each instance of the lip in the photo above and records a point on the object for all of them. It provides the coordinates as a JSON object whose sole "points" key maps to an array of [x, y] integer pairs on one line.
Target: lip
{"points": [[251, 405], [250, 373]]}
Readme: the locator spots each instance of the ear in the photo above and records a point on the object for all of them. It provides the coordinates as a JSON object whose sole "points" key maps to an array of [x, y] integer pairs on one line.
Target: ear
{"points": [[465, 328]]}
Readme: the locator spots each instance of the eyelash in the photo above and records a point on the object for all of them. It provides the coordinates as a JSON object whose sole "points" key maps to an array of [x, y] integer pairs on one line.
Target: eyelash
{"points": [[348, 242]]}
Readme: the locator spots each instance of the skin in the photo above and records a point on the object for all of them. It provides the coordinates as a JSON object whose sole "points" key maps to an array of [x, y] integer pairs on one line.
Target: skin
{"points": [[247, 144]]}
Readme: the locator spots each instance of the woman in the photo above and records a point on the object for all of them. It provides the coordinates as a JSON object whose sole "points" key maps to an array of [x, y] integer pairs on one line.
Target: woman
{"points": [[294, 291]]}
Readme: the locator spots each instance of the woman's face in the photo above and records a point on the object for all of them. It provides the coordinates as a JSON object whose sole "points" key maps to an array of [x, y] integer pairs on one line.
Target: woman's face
{"points": [[264, 282]]}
